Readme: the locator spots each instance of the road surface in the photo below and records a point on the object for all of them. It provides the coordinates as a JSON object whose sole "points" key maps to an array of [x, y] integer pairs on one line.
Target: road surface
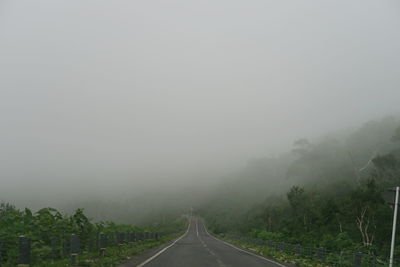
{"points": [[197, 248]]}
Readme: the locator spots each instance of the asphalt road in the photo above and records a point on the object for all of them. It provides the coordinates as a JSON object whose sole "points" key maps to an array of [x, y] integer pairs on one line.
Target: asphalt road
{"points": [[197, 248]]}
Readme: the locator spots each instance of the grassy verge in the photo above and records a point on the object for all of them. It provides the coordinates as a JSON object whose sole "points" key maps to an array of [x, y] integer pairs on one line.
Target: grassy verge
{"points": [[271, 253]]}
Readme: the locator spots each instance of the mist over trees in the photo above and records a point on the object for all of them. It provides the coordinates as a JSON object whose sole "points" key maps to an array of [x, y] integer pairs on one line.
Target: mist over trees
{"points": [[327, 192], [331, 186]]}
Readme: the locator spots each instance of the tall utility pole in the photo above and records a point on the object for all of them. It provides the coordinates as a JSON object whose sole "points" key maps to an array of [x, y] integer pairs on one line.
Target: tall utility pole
{"points": [[396, 203]]}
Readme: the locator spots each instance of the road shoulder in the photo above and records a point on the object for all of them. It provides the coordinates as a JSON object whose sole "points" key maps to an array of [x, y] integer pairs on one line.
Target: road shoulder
{"points": [[253, 252], [139, 258]]}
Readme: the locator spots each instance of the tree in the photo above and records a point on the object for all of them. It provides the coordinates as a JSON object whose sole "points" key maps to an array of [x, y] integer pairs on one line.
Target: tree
{"points": [[301, 146], [396, 136], [366, 201], [297, 201], [385, 162], [296, 197]]}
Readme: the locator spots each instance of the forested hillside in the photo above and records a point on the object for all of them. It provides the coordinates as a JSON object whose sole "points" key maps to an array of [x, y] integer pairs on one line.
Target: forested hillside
{"points": [[327, 193]]}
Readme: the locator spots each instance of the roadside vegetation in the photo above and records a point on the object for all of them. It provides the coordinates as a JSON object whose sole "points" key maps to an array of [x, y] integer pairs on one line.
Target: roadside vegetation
{"points": [[50, 234], [281, 256]]}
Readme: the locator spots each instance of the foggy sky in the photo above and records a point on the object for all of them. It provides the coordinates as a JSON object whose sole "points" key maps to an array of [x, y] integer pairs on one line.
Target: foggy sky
{"points": [[98, 94]]}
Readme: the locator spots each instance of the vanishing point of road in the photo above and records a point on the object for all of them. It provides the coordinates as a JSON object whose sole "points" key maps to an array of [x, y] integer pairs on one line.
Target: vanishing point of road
{"points": [[197, 248]]}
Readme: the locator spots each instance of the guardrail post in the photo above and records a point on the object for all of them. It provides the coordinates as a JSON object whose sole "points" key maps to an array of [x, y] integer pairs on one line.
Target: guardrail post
{"points": [[373, 261], [24, 251], [65, 247], [311, 252], [54, 250], [130, 237], [75, 247], [102, 243], [282, 246], [115, 239], [298, 249], [321, 254], [340, 257], [137, 236], [357, 259], [120, 239], [91, 244], [1, 252]]}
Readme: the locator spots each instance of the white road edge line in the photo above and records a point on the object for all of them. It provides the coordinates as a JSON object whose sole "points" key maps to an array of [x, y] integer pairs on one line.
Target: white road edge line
{"points": [[248, 252], [164, 249]]}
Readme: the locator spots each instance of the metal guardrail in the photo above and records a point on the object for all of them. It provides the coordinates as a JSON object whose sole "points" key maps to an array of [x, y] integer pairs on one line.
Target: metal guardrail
{"points": [[71, 246]]}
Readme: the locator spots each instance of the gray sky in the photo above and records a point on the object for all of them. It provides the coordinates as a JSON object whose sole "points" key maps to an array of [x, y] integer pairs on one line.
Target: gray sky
{"points": [[102, 92]]}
